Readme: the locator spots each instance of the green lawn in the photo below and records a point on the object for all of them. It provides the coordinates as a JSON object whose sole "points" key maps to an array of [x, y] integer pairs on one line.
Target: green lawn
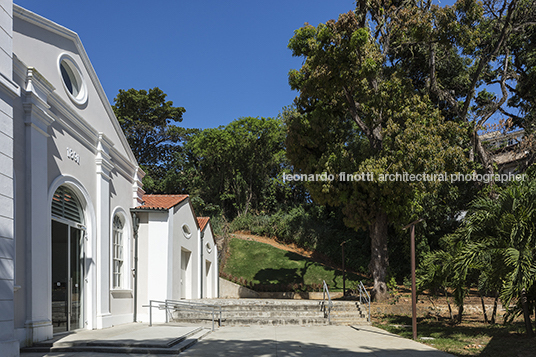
{"points": [[467, 339], [262, 263]]}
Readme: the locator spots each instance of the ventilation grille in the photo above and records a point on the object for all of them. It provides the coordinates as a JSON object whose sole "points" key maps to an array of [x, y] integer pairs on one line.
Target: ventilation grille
{"points": [[66, 205]]}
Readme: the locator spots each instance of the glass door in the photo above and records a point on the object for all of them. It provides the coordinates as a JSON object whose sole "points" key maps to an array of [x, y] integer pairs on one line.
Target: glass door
{"points": [[67, 277], [76, 278]]}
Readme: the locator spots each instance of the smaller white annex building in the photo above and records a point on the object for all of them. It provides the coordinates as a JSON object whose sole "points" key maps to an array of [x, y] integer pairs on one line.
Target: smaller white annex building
{"points": [[188, 269], [81, 245]]}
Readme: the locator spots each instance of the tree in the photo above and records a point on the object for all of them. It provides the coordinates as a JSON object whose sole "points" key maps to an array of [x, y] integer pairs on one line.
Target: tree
{"points": [[148, 121], [358, 114], [499, 240], [456, 54], [237, 166], [436, 272]]}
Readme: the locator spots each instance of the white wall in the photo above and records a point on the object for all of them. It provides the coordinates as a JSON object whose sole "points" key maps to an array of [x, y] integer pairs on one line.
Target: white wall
{"points": [[158, 270], [210, 254], [8, 344], [183, 214]]}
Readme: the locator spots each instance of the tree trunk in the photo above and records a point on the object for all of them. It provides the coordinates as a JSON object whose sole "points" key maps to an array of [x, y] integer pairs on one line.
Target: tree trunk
{"points": [[526, 314], [494, 312], [485, 158], [379, 259], [460, 313], [483, 308], [448, 304]]}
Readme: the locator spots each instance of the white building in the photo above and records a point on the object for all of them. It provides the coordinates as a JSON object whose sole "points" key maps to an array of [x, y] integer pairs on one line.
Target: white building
{"points": [[189, 270], [69, 189]]}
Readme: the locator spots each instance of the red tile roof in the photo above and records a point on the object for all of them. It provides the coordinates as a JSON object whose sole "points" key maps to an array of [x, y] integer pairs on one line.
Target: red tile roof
{"points": [[202, 221], [161, 201]]}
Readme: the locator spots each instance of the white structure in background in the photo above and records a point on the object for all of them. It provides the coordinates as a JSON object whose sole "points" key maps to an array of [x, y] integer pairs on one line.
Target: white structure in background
{"points": [[505, 150], [69, 185], [188, 270]]}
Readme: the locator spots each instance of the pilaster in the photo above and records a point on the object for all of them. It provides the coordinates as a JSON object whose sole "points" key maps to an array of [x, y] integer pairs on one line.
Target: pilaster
{"points": [[104, 167], [137, 190], [38, 244]]}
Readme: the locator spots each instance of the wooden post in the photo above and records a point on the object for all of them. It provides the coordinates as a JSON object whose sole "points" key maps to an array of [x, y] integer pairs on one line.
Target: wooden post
{"points": [[343, 272], [413, 284]]}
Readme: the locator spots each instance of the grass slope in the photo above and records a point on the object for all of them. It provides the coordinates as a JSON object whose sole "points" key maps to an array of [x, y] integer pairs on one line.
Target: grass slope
{"points": [[261, 263]]}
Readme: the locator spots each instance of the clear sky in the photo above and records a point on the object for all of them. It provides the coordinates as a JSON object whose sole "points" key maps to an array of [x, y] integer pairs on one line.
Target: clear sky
{"points": [[220, 60]]}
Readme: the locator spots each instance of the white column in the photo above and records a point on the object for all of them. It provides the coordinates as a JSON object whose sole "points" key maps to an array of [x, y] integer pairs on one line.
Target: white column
{"points": [[38, 243], [8, 91], [104, 168]]}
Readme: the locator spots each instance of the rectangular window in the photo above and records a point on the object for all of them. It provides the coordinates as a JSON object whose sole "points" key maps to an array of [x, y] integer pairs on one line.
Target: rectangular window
{"points": [[117, 252]]}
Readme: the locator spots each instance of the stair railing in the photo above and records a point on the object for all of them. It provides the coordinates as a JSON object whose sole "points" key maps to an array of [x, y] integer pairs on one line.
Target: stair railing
{"points": [[364, 295], [327, 310], [214, 310]]}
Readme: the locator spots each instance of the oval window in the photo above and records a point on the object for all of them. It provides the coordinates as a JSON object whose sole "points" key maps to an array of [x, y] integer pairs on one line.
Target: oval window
{"points": [[72, 80], [186, 231], [209, 247]]}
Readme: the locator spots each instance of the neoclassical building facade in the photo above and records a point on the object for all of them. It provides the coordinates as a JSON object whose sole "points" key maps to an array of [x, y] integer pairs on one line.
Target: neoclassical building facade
{"points": [[71, 199]]}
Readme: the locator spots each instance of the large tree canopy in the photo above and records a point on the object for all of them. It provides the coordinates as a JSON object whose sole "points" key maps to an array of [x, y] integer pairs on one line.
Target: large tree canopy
{"points": [[148, 121], [377, 86], [473, 59], [357, 114]]}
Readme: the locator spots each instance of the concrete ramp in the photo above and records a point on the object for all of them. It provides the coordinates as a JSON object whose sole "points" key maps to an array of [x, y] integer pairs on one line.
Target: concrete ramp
{"points": [[128, 338]]}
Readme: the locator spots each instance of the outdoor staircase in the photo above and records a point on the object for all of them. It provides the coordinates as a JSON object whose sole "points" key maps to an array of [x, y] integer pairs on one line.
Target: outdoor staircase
{"points": [[349, 313], [277, 312]]}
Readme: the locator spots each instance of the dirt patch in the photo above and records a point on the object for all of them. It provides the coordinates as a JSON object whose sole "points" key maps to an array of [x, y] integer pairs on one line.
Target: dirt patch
{"points": [[273, 242]]}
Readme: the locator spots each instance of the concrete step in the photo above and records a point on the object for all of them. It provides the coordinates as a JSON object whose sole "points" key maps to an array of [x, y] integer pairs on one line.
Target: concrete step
{"points": [[348, 322], [251, 313], [270, 307], [276, 321], [277, 312], [157, 346]]}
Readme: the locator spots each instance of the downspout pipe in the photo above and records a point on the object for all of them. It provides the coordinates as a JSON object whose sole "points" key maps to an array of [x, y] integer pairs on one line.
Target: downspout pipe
{"points": [[202, 235], [136, 226]]}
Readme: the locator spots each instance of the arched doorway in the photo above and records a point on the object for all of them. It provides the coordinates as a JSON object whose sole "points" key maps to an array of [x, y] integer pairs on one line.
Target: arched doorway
{"points": [[68, 249]]}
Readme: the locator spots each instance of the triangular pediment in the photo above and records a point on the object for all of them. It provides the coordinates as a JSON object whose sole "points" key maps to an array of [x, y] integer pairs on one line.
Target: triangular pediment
{"points": [[43, 45]]}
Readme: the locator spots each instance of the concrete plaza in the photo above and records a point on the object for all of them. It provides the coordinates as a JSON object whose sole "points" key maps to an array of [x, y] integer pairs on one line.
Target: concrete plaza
{"points": [[289, 341]]}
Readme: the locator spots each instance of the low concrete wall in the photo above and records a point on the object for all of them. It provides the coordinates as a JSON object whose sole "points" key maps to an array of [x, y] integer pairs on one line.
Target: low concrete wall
{"points": [[426, 310], [230, 290], [298, 295]]}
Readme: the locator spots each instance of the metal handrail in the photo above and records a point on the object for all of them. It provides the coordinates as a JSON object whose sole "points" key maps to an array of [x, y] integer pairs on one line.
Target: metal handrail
{"points": [[194, 306], [325, 291], [363, 294]]}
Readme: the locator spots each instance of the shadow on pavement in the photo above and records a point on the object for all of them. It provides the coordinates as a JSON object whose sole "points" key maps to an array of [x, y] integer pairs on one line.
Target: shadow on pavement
{"points": [[294, 348]]}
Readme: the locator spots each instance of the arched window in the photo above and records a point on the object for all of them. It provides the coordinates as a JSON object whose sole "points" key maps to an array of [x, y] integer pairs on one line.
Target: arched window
{"points": [[66, 205], [118, 248]]}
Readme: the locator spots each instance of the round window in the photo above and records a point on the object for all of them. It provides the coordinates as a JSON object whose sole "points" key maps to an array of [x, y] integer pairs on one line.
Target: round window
{"points": [[72, 80], [209, 247], [186, 231]]}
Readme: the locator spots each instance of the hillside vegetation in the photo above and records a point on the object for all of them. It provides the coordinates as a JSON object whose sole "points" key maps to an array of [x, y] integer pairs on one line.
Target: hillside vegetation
{"points": [[260, 265]]}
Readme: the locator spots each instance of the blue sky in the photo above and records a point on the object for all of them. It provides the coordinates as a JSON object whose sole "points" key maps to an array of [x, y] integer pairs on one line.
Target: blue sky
{"points": [[220, 60]]}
